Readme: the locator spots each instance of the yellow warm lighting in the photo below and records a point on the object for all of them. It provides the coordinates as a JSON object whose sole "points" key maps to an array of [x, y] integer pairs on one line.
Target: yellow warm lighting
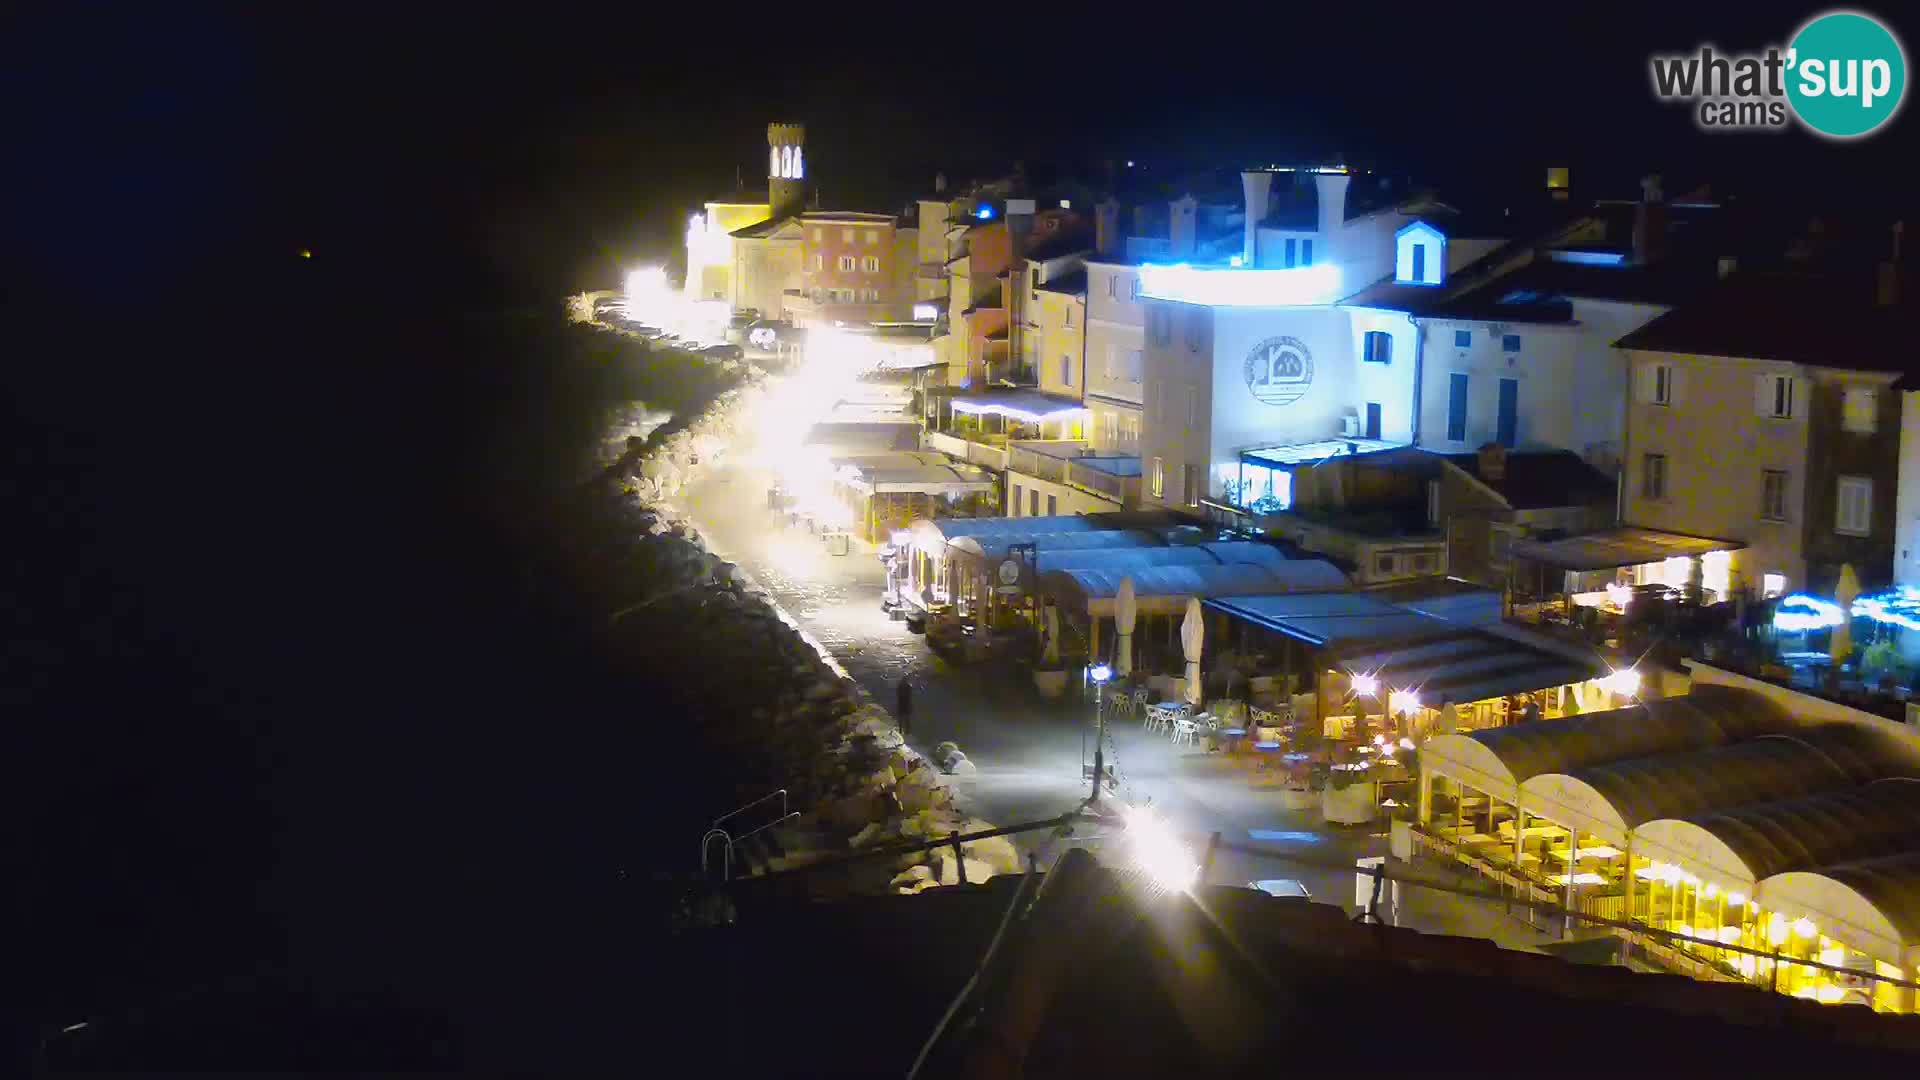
{"points": [[1710, 891], [1366, 685], [1159, 853], [1735, 899], [1803, 927], [1834, 957], [1776, 928], [1403, 701], [1829, 994], [1729, 935]]}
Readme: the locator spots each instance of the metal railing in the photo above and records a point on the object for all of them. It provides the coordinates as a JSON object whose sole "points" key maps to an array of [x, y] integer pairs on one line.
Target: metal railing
{"points": [[1652, 941]]}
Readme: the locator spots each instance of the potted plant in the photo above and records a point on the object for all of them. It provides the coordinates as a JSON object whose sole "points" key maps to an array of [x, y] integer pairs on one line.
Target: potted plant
{"points": [[1050, 673], [1349, 796]]}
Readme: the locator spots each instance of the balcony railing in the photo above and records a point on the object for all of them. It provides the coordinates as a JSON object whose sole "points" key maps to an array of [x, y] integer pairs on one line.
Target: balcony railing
{"points": [[973, 450], [1060, 461]]}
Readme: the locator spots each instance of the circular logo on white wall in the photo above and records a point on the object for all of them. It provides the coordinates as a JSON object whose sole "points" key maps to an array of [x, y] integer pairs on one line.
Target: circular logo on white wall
{"points": [[1280, 370]]}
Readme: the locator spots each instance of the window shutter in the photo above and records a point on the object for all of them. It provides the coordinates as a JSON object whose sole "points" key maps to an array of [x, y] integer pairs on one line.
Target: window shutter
{"points": [[1643, 378], [1802, 397], [1676, 384], [1763, 396]]}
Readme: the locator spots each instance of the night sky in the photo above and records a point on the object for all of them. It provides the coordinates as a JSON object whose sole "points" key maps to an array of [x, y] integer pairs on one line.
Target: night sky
{"points": [[231, 489]]}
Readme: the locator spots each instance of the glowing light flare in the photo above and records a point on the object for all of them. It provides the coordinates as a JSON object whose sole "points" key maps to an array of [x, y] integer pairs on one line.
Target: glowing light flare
{"points": [[1618, 595], [1099, 673], [1366, 685], [1803, 927], [1403, 702], [1800, 613], [974, 408], [1625, 682], [1241, 287], [1157, 852]]}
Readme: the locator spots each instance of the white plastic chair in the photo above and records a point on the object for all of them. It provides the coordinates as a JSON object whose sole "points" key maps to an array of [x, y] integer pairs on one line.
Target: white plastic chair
{"points": [[1120, 705], [1185, 731]]}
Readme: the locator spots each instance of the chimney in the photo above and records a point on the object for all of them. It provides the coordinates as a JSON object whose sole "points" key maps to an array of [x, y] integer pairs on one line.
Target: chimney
{"points": [[1182, 226], [1887, 290], [1330, 191], [940, 183], [1019, 227], [1728, 264], [1106, 228], [1559, 183], [1493, 463], [1258, 187], [1649, 222]]}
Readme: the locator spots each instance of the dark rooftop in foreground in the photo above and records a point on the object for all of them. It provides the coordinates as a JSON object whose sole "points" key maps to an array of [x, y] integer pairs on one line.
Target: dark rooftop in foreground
{"points": [[1540, 479], [1074, 284], [1827, 321]]}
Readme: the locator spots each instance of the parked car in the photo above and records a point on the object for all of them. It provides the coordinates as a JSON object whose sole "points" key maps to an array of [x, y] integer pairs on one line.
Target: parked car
{"points": [[1286, 888], [729, 352]]}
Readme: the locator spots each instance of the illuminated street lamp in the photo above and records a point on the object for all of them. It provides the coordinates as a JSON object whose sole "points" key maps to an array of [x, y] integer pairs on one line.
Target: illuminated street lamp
{"points": [[1098, 674]]}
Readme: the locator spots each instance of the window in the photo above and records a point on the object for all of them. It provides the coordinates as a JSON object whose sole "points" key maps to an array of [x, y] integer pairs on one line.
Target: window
{"points": [[1066, 371], [1068, 324], [1854, 510], [846, 236], [870, 264], [1433, 503], [1653, 476], [1384, 564], [1507, 419], [1053, 505], [1133, 288], [819, 263], [1193, 408], [1162, 322], [1159, 486], [1306, 251], [1663, 384], [1014, 503], [873, 237], [1373, 419], [1510, 343], [1136, 364], [1772, 585], [1463, 339], [1378, 347], [1420, 263], [848, 263], [1423, 564], [1113, 287], [1457, 407], [1033, 502], [1106, 369], [1776, 397], [1287, 260], [818, 235], [1194, 330], [1773, 494], [1857, 411], [1190, 484]]}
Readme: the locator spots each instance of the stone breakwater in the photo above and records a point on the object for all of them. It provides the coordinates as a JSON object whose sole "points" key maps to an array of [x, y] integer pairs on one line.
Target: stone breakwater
{"points": [[765, 704]]}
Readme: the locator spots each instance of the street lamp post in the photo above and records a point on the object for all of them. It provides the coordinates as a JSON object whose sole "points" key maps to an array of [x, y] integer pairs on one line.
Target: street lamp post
{"points": [[1099, 673]]}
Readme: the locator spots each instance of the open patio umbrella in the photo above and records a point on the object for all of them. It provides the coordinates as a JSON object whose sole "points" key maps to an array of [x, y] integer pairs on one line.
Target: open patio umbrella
{"points": [[1053, 634], [1125, 608], [1844, 594], [1193, 632]]}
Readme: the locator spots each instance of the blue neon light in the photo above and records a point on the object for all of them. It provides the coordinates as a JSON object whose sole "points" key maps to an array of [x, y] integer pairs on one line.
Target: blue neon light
{"points": [[985, 213], [1799, 613]]}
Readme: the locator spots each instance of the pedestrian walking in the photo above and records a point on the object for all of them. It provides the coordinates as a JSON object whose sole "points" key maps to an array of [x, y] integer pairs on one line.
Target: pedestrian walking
{"points": [[903, 706]]}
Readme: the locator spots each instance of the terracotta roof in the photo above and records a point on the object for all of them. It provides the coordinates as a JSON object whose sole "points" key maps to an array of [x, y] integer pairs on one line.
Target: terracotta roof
{"points": [[1538, 479], [1824, 321]]}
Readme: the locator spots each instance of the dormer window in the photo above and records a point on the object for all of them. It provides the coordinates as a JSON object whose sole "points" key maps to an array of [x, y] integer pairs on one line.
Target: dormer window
{"points": [[1420, 255]]}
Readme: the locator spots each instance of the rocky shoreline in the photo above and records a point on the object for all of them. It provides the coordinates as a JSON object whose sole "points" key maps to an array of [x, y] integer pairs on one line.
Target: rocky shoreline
{"points": [[770, 707]]}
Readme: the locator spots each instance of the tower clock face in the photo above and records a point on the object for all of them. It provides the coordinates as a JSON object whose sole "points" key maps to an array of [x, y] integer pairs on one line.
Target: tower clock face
{"points": [[1279, 370]]}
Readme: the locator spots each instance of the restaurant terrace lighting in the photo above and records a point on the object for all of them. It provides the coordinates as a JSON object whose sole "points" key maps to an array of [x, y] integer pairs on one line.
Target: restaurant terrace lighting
{"points": [[1403, 701], [1158, 853], [1011, 412], [1625, 682], [1366, 685], [1799, 613]]}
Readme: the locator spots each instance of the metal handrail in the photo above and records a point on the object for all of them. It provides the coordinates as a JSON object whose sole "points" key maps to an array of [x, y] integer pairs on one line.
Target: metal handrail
{"points": [[780, 794]]}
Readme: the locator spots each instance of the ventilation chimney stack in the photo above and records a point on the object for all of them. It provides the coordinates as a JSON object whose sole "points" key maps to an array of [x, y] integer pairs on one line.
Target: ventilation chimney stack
{"points": [[1330, 191], [1649, 222], [940, 183], [1493, 463], [1106, 228], [1183, 223], [1258, 188]]}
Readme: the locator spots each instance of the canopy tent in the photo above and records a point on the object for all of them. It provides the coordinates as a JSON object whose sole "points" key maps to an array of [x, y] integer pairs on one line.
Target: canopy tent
{"points": [[1469, 666], [1615, 797], [1332, 620], [1745, 845], [1612, 548], [910, 471], [986, 550], [1164, 590], [1499, 760], [932, 535], [1873, 904]]}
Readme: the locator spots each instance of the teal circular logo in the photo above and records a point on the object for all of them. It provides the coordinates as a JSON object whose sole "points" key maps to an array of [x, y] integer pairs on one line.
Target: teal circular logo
{"points": [[1846, 74]]}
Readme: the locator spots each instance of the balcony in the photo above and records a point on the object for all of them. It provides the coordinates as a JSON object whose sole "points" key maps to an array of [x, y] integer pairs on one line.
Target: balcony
{"points": [[976, 449], [1071, 463], [932, 271]]}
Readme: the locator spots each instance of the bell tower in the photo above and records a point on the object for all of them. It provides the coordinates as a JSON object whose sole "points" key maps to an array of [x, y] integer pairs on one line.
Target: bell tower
{"points": [[786, 167]]}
